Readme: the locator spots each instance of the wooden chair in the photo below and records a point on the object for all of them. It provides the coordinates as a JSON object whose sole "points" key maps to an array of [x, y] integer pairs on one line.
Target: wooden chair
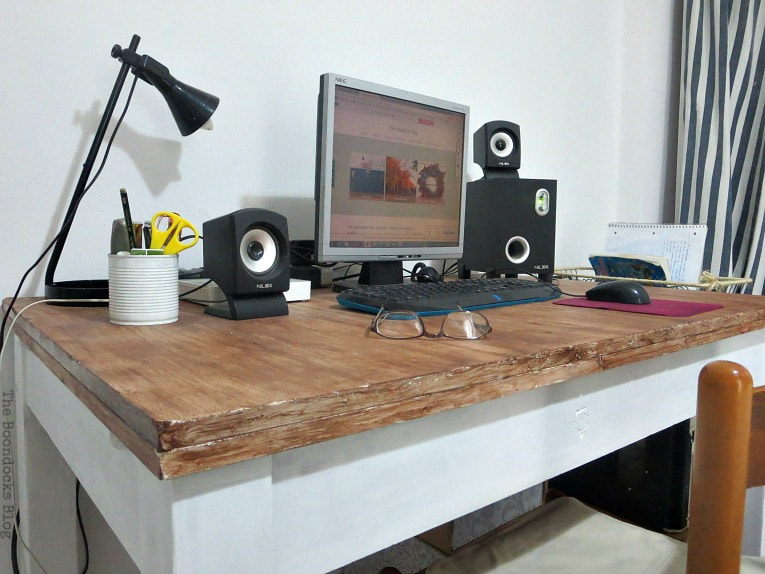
{"points": [[567, 536]]}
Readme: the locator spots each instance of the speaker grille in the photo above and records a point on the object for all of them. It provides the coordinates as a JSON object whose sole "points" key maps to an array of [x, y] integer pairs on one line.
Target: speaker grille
{"points": [[259, 251]]}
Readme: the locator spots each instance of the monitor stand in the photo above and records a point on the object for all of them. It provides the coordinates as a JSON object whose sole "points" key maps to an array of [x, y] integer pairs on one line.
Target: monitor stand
{"points": [[381, 272]]}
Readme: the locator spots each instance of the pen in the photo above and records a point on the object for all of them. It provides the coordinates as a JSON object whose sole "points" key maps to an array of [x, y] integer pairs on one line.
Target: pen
{"points": [[128, 219], [147, 234]]}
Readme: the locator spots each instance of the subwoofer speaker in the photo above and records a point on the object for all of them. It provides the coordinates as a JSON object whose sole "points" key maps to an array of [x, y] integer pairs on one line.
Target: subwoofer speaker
{"points": [[247, 253], [497, 149], [510, 227]]}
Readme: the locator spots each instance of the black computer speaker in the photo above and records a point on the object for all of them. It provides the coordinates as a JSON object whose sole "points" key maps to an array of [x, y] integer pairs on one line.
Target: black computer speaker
{"points": [[510, 227], [247, 253], [497, 148]]}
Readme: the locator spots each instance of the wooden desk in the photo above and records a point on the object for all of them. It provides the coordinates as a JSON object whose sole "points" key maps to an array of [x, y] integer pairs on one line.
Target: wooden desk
{"points": [[279, 435]]}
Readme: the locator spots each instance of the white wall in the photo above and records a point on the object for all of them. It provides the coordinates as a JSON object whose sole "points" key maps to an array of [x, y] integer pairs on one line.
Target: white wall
{"points": [[649, 80], [588, 82]]}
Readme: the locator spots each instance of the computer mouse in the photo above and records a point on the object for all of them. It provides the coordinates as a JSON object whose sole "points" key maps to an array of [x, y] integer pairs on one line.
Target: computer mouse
{"points": [[425, 274], [630, 292]]}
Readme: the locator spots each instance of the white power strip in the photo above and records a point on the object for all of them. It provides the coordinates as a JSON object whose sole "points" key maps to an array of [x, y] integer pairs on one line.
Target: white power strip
{"points": [[300, 290]]}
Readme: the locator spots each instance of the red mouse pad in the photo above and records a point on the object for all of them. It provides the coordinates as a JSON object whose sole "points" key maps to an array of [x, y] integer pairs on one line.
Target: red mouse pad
{"points": [[655, 307]]}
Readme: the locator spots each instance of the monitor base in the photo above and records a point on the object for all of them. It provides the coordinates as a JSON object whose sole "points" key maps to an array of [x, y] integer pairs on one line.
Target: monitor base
{"points": [[381, 272]]}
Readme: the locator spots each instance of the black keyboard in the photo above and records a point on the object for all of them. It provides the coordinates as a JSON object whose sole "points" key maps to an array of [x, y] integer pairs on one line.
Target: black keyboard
{"points": [[447, 296]]}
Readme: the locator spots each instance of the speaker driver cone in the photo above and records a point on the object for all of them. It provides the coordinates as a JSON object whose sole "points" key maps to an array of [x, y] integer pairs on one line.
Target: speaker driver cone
{"points": [[517, 249], [258, 251], [502, 144]]}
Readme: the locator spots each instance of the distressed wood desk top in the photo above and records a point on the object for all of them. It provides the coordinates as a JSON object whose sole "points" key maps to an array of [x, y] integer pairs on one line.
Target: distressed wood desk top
{"points": [[205, 392]]}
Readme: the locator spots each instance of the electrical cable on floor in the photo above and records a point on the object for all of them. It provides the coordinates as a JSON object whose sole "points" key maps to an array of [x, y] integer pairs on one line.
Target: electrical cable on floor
{"points": [[82, 528], [15, 544]]}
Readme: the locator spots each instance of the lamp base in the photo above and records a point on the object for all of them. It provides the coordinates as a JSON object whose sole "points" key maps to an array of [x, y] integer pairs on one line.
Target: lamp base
{"points": [[81, 289]]}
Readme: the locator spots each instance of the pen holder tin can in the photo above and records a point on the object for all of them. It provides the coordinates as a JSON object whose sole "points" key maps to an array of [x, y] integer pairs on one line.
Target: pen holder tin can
{"points": [[143, 289]]}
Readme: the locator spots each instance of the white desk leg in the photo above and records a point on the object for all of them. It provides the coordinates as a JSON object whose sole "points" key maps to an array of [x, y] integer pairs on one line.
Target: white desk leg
{"points": [[219, 520], [46, 492], [222, 519], [754, 533]]}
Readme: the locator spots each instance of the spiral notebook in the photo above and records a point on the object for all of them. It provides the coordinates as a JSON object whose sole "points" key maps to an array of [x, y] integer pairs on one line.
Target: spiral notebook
{"points": [[683, 245]]}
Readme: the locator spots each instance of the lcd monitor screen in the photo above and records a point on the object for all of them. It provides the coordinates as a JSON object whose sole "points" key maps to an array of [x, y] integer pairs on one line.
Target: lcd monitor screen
{"points": [[390, 173]]}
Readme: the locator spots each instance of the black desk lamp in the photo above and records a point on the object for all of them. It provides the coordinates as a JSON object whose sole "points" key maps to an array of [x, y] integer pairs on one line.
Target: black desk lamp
{"points": [[191, 109]]}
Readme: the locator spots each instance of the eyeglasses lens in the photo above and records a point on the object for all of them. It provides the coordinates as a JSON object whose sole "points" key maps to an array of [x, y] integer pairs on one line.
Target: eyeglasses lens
{"points": [[465, 325], [399, 325]]}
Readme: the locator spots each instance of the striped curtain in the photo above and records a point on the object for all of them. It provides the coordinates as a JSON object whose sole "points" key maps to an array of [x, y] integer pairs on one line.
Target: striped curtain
{"points": [[721, 136]]}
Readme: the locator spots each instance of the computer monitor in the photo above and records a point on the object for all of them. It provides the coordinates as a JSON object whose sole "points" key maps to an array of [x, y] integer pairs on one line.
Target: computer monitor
{"points": [[390, 177]]}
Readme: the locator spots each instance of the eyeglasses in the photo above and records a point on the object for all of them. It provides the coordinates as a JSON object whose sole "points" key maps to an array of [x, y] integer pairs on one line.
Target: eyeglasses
{"points": [[408, 325]]}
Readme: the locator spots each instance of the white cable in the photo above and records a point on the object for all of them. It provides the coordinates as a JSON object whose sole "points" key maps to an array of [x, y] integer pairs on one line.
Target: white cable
{"points": [[2, 354]]}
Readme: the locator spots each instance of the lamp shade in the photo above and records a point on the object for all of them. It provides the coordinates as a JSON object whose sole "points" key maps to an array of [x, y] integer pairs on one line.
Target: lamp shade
{"points": [[191, 108]]}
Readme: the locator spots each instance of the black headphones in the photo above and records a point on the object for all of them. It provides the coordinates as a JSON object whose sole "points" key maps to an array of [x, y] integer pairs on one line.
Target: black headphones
{"points": [[425, 274]]}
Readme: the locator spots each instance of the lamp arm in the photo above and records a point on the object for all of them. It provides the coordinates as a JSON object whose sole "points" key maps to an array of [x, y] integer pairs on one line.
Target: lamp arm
{"points": [[87, 167]]}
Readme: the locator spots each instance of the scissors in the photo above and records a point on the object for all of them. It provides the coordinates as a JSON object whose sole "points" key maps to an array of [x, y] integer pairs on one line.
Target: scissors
{"points": [[167, 233]]}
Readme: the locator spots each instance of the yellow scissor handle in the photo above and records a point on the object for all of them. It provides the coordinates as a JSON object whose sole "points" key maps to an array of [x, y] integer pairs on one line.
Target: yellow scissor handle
{"points": [[172, 233]]}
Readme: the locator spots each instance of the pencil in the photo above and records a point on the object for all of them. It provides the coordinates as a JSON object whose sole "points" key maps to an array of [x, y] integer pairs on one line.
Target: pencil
{"points": [[128, 218]]}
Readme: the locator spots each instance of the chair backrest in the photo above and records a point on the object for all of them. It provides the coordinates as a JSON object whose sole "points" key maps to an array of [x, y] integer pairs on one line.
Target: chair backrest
{"points": [[730, 424]]}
